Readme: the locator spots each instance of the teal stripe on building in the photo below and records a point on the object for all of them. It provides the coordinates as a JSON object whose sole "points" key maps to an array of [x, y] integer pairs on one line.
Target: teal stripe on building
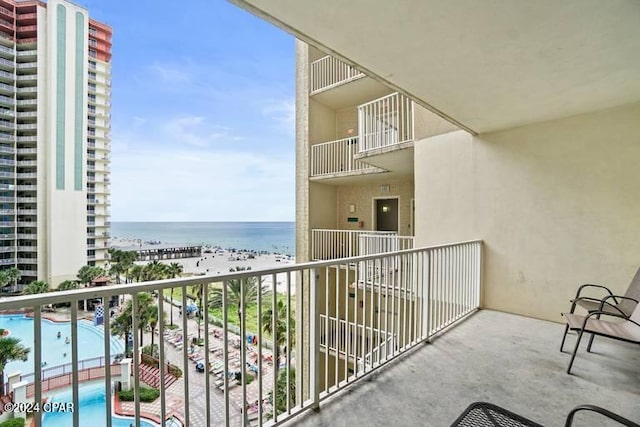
{"points": [[61, 53], [78, 159]]}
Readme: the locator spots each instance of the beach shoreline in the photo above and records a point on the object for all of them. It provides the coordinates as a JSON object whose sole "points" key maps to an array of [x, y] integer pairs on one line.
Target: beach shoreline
{"points": [[217, 261]]}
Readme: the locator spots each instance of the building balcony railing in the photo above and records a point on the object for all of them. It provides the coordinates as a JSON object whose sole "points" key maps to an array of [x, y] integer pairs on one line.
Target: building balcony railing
{"points": [[336, 244], [358, 331], [328, 72], [385, 122], [337, 158]]}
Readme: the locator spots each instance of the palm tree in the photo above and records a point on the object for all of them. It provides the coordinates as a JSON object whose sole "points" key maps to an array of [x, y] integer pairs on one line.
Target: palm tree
{"points": [[67, 285], [36, 287], [10, 350], [280, 333], [234, 289], [155, 270], [173, 270], [88, 273], [123, 324], [136, 272]]}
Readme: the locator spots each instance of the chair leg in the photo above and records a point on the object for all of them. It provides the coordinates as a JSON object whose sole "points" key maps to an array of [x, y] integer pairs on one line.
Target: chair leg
{"points": [[564, 337], [575, 350], [590, 343]]}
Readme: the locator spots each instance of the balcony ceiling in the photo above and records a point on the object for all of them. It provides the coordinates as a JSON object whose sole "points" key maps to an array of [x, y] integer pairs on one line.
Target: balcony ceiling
{"points": [[487, 65]]}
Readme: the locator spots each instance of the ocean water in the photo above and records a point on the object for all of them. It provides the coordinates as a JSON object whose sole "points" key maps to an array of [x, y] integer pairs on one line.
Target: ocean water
{"points": [[259, 236]]}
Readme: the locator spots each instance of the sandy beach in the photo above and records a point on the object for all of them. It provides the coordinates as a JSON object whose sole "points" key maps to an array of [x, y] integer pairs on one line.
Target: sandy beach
{"points": [[216, 261]]}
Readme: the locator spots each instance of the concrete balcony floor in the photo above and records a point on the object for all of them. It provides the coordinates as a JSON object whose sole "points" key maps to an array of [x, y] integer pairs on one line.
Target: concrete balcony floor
{"points": [[509, 360]]}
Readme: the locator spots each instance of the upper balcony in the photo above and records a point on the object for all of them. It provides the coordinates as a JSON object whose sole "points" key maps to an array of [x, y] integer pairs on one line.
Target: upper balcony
{"points": [[336, 244], [388, 128], [335, 160], [337, 84], [329, 72]]}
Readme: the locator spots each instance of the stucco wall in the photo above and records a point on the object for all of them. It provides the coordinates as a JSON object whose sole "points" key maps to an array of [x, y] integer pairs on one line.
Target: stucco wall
{"points": [[362, 197], [557, 205]]}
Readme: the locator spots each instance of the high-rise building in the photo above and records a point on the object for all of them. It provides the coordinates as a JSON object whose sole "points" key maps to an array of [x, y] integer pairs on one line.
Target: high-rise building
{"points": [[55, 78]]}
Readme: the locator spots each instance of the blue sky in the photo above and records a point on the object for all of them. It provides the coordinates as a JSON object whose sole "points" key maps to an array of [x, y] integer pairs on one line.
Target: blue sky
{"points": [[202, 112]]}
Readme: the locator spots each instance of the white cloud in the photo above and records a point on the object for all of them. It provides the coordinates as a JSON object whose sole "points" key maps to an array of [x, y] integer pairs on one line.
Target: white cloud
{"points": [[170, 73], [182, 185], [195, 131], [282, 112]]}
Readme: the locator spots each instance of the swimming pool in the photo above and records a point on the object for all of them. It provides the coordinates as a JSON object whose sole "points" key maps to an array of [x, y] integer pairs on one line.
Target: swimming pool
{"points": [[55, 351], [92, 401]]}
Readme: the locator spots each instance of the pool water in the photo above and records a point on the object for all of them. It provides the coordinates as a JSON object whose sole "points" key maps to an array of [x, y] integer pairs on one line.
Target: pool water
{"points": [[55, 351], [92, 412]]}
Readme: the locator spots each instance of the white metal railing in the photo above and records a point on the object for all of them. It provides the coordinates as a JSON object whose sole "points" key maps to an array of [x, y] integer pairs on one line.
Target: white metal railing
{"points": [[334, 244], [377, 243], [335, 332], [358, 327], [329, 72], [337, 157], [385, 122]]}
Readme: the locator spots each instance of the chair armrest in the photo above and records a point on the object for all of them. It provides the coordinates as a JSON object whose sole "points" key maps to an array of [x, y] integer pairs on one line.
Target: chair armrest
{"points": [[604, 301], [604, 313], [591, 285], [577, 300], [601, 411]]}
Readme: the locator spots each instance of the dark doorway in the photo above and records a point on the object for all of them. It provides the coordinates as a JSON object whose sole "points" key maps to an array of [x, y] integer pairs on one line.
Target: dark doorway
{"points": [[387, 215]]}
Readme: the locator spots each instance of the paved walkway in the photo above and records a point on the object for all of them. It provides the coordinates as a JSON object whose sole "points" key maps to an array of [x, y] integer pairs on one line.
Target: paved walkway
{"points": [[175, 394]]}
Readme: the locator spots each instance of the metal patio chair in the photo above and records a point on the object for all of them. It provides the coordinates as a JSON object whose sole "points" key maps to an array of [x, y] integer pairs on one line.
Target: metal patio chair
{"points": [[623, 329], [623, 305], [614, 304]]}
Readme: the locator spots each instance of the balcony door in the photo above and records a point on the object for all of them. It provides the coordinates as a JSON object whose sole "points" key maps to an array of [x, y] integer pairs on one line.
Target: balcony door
{"points": [[387, 214]]}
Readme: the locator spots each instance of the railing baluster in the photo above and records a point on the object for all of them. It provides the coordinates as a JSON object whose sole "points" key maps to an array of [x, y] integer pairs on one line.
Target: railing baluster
{"points": [[207, 382], [74, 362], [225, 350], [37, 361], [276, 350], [136, 355], [161, 355], [260, 344], [107, 359], [185, 354], [243, 351]]}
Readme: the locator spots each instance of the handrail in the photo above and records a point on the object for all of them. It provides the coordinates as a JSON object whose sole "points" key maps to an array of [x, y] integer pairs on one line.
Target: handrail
{"points": [[20, 301]]}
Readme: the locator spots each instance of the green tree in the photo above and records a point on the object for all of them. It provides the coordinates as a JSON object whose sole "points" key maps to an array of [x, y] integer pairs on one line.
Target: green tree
{"points": [[173, 270], [36, 287], [280, 333], [147, 311], [121, 262], [10, 350], [67, 285], [88, 273], [121, 326], [155, 270], [9, 276], [281, 391], [234, 291], [135, 273]]}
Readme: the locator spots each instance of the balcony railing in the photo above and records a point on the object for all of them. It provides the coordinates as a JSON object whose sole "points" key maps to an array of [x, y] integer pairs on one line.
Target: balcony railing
{"points": [[335, 244], [358, 328], [336, 157], [329, 72], [370, 244], [385, 122]]}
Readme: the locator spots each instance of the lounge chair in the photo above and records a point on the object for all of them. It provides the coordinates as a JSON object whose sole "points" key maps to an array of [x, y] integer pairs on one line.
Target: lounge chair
{"points": [[624, 329], [613, 304]]}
